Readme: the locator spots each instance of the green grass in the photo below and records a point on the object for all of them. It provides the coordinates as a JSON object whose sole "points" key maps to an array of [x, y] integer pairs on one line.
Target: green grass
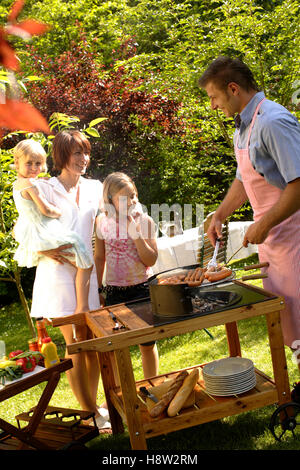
{"points": [[247, 431]]}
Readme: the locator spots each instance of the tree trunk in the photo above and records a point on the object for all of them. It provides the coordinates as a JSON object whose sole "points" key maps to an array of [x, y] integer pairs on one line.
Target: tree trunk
{"points": [[24, 302]]}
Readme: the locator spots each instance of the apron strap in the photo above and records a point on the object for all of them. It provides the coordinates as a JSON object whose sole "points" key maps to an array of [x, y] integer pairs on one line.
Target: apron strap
{"points": [[253, 120], [251, 125]]}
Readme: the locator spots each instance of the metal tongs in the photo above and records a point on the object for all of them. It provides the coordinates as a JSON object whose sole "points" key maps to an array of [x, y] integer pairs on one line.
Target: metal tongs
{"points": [[213, 261], [235, 253], [250, 267]]}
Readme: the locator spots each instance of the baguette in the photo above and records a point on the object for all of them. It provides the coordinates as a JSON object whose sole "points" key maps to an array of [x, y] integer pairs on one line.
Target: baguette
{"points": [[182, 394], [169, 395]]}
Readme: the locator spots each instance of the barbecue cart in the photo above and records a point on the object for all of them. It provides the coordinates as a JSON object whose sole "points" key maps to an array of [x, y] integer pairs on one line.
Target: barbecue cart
{"points": [[118, 327]]}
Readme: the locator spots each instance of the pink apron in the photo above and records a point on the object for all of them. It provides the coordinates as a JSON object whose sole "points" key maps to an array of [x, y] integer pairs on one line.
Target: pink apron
{"points": [[282, 246]]}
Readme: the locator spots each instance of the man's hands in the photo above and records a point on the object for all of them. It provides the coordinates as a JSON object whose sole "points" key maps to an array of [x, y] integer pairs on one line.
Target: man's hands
{"points": [[234, 199], [255, 234], [214, 231], [287, 204]]}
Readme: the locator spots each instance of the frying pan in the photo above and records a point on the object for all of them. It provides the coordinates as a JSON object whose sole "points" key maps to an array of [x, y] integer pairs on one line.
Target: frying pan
{"points": [[172, 300], [175, 299]]}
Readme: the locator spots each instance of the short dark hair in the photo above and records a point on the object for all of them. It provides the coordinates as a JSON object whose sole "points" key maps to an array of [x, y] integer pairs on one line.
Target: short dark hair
{"points": [[225, 70], [63, 145]]}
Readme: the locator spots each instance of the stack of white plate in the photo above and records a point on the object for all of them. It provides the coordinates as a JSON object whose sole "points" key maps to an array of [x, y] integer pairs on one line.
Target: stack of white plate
{"points": [[229, 376]]}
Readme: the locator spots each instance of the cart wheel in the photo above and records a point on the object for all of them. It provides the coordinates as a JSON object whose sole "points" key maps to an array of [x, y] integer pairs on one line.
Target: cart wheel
{"points": [[285, 419]]}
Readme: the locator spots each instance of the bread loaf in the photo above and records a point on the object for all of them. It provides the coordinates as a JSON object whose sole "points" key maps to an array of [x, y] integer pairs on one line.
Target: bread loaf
{"points": [[163, 403], [182, 394]]}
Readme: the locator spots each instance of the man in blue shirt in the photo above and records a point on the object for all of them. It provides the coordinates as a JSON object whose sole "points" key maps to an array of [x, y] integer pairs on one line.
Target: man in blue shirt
{"points": [[267, 148]]}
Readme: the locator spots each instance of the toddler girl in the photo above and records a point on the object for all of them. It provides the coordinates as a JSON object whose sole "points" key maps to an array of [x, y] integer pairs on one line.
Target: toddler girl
{"points": [[125, 241], [38, 227]]}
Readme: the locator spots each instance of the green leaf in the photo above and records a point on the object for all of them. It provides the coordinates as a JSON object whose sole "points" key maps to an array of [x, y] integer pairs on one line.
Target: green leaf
{"points": [[96, 121], [33, 78], [92, 131], [23, 87]]}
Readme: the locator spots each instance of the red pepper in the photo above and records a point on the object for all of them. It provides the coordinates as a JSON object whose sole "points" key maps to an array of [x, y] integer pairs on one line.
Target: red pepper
{"points": [[14, 353], [26, 363]]}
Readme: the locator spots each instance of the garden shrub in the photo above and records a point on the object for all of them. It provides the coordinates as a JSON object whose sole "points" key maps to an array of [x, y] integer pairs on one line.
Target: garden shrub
{"points": [[145, 134]]}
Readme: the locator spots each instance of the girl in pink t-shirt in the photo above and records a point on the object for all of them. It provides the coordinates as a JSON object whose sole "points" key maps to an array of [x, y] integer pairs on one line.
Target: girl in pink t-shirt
{"points": [[126, 244]]}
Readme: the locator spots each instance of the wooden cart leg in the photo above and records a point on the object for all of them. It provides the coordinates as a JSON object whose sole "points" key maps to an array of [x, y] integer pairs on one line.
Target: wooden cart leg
{"points": [[41, 406], [233, 339], [278, 357], [43, 403], [23, 437], [130, 400], [108, 380]]}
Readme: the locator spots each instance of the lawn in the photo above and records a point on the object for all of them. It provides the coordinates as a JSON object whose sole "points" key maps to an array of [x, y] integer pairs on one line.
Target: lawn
{"points": [[247, 431]]}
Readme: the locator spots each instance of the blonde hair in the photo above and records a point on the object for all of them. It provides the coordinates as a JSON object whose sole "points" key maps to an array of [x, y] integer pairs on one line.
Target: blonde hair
{"points": [[29, 147], [113, 183]]}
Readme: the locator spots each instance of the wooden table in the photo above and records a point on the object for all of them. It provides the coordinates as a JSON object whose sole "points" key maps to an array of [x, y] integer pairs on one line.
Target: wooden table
{"points": [[45, 431], [124, 402]]}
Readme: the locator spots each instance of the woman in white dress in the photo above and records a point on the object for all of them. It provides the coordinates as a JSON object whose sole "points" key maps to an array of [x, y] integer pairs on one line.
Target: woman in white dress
{"points": [[54, 293], [39, 225]]}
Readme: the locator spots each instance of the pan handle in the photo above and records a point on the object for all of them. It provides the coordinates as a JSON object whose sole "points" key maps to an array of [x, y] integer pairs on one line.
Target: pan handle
{"points": [[253, 276], [256, 266]]}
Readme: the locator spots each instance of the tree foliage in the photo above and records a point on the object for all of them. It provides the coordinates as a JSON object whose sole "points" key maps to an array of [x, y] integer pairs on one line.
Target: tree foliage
{"points": [[136, 63], [171, 43], [15, 114], [174, 41], [135, 118]]}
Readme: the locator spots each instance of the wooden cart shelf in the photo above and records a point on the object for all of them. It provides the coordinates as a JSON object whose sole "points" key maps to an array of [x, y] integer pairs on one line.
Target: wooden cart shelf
{"points": [[62, 426], [206, 408]]}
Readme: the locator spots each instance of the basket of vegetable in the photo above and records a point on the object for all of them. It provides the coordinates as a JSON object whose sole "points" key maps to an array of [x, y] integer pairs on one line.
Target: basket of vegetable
{"points": [[17, 364]]}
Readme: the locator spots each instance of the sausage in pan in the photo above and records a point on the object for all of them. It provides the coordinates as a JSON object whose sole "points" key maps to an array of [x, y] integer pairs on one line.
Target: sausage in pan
{"points": [[195, 274], [219, 275], [189, 275]]}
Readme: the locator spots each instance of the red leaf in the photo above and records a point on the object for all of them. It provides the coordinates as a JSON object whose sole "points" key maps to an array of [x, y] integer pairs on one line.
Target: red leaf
{"points": [[16, 31], [21, 116], [16, 8], [8, 57], [33, 27]]}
